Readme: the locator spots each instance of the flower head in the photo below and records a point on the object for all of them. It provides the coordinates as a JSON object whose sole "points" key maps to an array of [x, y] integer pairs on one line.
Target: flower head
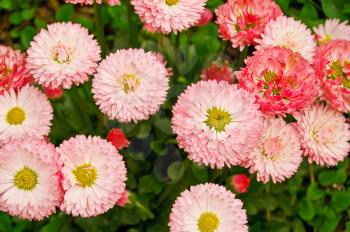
{"points": [[13, 71], [207, 208], [94, 175], [90, 2], [53, 93], [206, 17], [218, 72], [124, 199], [278, 154], [169, 15], [26, 113], [332, 29], [332, 66], [242, 21], [30, 180], [216, 123], [283, 82], [289, 33], [130, 85], [117, 138], [63, 55], [324, 134], [240, 183]]}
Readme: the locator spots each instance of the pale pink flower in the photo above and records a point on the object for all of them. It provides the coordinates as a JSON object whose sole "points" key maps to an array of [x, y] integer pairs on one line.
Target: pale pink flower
{"points": [[324, 134], [283, 81], [30, 179], [130, 85], [288, 33], [206, 17], [208, 208], [242, 21], [216, 123], [218, 72], [25, 113], [63, 55], [13, 71], [332, 66], [169, 15], [278, 154], [90, 2], [94, 175], [332, 29]]}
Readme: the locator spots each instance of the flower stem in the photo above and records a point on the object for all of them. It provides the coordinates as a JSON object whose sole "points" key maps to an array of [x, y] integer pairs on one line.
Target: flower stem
{"points": [[268, 213], [132, 34], [242, 57], [99, 29], [312, 174]]}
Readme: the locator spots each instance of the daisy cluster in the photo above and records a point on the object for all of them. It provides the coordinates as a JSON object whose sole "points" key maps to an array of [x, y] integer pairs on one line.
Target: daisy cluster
{"points": [[226, 119]]}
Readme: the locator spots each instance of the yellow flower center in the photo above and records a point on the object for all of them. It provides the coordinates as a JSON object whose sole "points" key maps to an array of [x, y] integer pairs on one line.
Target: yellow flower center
{"points": [[61, 53], [270, 76], [325, 40], [208, 222], [346, 83], [15, 116], [26, 179], [85, 175], [218, 119], [130, 82], [171, 2]]}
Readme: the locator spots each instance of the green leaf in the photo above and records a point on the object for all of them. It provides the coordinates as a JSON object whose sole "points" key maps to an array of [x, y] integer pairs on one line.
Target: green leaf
{"points": [[200, 172], [28, 14], [314, 193], [306, 210], [176, 170], [5, 222], [16, 18], [331, 221], [149, 184], [308, 12], [64, 13], [331, 10], [55, 223], [284, 4], [340, 201], [329, 177], [85, 21], [6, 4], [27, 35]]}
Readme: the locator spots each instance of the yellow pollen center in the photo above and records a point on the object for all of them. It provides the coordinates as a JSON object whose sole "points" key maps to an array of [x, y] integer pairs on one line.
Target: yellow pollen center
{"points": [[208, 222], [26, 179], [15, 116], [325, 40], [171, 2], [270, 76], [346, 83], [85, 175], [218, 119], [130, 82], [61, 53]]}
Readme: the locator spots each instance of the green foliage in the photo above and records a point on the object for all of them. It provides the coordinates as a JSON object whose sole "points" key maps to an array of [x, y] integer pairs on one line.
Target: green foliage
{"points": [[315, 199]]}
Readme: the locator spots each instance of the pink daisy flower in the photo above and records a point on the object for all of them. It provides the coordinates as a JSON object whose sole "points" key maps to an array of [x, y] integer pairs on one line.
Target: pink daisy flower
{"points": [[206, 17], [169, 15], [325, 135], [13, 71], [242, 21], [94, 175], [289, 33], [218, 72], [283, 82], [130, 85], [124, 200], [278, 154], [30, 185], [332, 29], [216, 123], [63, 55], [208, 208], [23, 114], [332, 66], [90, 2]]}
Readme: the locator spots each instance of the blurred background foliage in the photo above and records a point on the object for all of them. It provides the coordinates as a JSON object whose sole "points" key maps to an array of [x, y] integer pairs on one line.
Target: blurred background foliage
{"points": [[315, 199]]}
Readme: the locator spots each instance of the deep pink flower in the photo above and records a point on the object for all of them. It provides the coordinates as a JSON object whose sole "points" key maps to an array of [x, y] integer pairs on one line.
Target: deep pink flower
{"points": [[117, 138], [90, 2], [242, 21], [124, 199], [240, 183], [53, 93], [218, 72], [283, 81], [206, 17], [13, 71]]}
